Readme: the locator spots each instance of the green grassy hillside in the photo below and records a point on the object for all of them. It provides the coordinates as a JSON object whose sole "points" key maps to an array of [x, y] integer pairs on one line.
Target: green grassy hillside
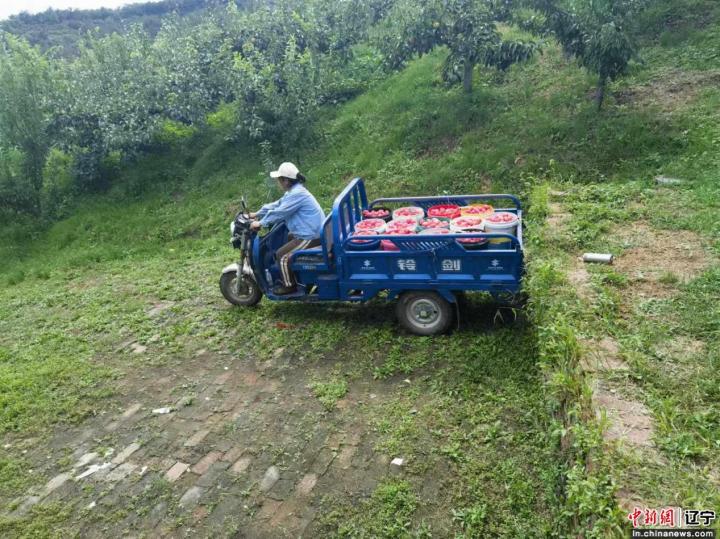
{"points": [[474, 419]]}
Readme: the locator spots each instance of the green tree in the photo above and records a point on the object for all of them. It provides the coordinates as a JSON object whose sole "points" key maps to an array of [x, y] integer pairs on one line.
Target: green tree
{"points": [[277, 99], [25, 105], [597, 33], [468, 28]]}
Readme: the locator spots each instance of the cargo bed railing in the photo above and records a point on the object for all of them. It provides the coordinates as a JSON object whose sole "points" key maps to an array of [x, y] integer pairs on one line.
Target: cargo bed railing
{"points": [[461, 200], [427, 243]]}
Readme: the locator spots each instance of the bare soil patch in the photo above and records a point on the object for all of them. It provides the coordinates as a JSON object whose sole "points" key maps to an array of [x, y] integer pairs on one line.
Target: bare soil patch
{"points": [[630, 420], [670, 92], [603, 355], [656, 258]]}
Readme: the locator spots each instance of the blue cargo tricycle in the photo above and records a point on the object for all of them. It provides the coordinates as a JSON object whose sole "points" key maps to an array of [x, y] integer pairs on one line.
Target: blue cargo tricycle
{"points": [[427, 273]]}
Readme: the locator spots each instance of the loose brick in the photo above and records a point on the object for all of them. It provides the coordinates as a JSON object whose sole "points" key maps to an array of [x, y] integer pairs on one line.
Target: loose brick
{"points": [[127, 414], [204, 463], [156, 515], [125, 453], [191, 497], [215, 476], [176, 471], [233, 454], [272, 474], [345, 457], [306, 484], [87, 458], [196, 438], [241, 465], [322, 461], [120, 473], [55, 482]]}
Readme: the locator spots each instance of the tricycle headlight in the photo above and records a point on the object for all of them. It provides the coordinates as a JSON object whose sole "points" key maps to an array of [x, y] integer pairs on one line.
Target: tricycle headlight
{"points": [[232, 228]]}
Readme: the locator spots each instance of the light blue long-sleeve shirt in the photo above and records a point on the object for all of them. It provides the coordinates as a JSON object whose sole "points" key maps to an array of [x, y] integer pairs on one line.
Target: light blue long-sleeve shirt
{"points": [[298, 208]]}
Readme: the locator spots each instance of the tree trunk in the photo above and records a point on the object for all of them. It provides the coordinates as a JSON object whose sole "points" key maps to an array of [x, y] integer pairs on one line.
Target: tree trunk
{"points": [[468, 76], [600, 95]]}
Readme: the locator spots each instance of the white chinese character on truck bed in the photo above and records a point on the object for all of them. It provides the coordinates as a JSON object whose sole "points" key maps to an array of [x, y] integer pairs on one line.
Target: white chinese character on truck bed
{"points": [[451, 264], [408, 264]]}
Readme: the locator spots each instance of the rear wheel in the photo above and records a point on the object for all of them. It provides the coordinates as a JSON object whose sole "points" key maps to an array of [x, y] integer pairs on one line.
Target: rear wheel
{"points": [[247, 294], [424, 313]]}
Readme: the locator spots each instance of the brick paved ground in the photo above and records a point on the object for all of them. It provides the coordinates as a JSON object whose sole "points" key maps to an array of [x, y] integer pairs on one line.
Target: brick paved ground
{"points": [[250, 455]]}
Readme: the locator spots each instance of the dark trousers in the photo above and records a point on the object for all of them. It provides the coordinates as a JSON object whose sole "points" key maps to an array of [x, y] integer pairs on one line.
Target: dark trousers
{"points": [[283, 257]]}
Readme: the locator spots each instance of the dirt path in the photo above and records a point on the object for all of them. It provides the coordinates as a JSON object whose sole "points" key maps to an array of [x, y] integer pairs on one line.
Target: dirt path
{"points": [[650, 268], [629, 422]]}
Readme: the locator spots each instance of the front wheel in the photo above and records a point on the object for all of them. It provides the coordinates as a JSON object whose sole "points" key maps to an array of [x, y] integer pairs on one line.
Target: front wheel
{"points": [[424, 313], [249, 292]]}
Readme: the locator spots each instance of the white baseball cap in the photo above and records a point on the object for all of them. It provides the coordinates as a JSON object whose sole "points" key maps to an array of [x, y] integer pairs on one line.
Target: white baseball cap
{"points": [[285, 170]]}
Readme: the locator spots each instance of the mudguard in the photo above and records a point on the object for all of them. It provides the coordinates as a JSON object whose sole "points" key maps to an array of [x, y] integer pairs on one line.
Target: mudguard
{"points": [[232, 268]]}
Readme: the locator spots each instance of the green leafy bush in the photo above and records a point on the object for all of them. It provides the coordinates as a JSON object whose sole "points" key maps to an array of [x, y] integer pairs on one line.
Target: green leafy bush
{"points": [[58, 183], [171, 132]]}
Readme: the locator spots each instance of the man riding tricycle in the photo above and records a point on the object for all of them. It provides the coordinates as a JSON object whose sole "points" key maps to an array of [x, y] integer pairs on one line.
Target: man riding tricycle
{"points": [[425, 251]]}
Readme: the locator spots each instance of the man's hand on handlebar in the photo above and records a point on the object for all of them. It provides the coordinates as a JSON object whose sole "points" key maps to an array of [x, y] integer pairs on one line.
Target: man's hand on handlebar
{"points": [[255, 225], [252, 215]]}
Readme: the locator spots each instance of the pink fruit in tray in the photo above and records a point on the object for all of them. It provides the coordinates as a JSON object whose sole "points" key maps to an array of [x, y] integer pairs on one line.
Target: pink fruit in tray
{"points": [[502, 217], [466, 222], [370, 224], [480, 209], [409, 211], [403, 222], [368, 232], [444, 210], [375, 214], [433, 223], [400, 231]]}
